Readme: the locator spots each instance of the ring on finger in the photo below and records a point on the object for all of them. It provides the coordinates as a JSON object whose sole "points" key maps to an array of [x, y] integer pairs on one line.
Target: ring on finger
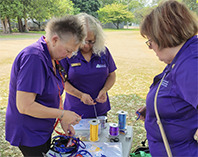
{"points": [[78, 119]]}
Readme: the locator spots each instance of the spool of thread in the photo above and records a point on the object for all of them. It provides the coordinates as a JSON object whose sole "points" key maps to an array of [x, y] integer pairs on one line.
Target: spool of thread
{"points": [[94, 126], [102, 121], [113, 129], [122, 119]]}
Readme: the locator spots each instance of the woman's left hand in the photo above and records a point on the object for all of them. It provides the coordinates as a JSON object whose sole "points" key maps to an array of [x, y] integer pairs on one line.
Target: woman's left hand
{"points": [[102, 96]]}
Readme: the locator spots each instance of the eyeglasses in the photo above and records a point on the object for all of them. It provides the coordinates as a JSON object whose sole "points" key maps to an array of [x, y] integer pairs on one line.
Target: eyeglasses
{"points": [[148, 43], [62, 72], [90, 42]]}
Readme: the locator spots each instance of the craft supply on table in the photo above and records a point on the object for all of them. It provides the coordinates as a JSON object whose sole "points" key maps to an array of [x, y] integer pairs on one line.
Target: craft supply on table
{"points": [[103, 120], [65, 145], [94, 126], [122, 121], [84, 125], [113, 132]]}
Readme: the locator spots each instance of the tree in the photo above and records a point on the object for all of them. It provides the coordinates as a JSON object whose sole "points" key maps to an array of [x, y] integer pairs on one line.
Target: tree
{"points": [[103, 3], [115, 13], [90, 7], [141, 13], [40, 10], [9, 10], [61, 8]]}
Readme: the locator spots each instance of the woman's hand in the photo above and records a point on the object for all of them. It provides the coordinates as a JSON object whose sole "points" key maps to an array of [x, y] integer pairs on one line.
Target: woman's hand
{"points": [[68, 129], [87, 99], [70, 118], [102, 96], [142, 111]]}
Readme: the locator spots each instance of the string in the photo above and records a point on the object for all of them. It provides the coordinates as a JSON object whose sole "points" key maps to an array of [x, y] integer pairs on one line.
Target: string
{"points": [[95, 111], [93, 130], [113, 130], [122, 121]]}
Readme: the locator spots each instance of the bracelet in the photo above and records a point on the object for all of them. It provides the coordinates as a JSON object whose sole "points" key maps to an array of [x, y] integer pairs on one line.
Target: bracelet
{"points": [[62, 115]]}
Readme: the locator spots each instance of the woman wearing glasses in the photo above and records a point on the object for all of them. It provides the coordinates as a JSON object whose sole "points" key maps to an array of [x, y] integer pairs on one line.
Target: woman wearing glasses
{"points": [[91, 73], [36, 87], [171, 30]]}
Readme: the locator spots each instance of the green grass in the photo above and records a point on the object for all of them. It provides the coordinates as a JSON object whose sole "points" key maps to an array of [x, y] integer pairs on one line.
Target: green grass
{"points": [[19, 36], [37, 34], [121, 29], [31, 34]]}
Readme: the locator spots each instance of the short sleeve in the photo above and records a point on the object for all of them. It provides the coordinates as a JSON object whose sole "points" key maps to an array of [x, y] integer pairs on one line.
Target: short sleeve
{"points": [[32, 75], [187, 81], [112, 66]]}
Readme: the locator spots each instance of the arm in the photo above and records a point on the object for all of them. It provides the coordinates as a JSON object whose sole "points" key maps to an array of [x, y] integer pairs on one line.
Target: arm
{"points": [[85, 98], [102, 97], [26, 105]]}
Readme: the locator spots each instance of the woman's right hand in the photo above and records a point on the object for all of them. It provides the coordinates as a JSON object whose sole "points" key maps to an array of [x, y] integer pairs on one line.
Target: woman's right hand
{"points": [[142, 111], [71, 117], [87, 99]]}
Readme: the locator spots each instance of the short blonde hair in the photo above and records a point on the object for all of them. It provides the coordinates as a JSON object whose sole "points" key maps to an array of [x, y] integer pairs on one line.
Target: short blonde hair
{"points": [[93, 25], [65, 28], [170, 24]]}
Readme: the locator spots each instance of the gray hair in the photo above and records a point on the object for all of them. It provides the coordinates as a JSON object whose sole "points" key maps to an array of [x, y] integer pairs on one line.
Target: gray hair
{"points": [[93, 25], [65, 28]]}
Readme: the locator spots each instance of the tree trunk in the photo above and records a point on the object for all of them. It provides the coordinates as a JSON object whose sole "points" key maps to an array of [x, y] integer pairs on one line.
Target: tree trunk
{"points": [[20, 25], [117, 25], [9, 25], [37, 23], [5, 25], [26, 26]]}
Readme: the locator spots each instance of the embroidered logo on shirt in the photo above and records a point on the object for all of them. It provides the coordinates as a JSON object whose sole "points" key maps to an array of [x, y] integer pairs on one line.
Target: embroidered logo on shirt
{"points": [[75, 64], [165, 83], [101, 66]]}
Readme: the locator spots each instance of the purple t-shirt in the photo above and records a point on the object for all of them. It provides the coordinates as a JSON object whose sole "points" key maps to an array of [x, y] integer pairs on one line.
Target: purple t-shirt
{"points": [[32, 72], [88, 77], [177, 104]]}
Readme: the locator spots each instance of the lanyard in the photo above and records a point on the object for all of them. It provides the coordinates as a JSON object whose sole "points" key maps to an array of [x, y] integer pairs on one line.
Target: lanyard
{"points": [[61, 102]]}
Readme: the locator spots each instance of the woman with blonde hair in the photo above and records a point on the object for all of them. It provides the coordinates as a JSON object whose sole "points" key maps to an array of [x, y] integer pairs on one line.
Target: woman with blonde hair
{"points": [[91, 73]]}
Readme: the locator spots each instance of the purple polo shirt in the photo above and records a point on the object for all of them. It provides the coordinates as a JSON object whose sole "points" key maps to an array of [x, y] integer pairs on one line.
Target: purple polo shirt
{"points": [[177, 104], [32, 72], [88, 77]]}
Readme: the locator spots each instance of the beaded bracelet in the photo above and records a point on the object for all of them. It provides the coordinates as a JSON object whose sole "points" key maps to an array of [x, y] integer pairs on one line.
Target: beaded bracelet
{"points": [[62, 115]]}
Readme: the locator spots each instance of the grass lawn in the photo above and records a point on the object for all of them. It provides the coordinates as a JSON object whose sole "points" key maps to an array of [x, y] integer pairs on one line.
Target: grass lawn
{"points": [[136, 67]]}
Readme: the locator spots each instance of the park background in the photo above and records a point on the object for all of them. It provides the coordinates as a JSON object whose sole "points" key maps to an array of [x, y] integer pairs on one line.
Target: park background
{"points": [[136, 64]]}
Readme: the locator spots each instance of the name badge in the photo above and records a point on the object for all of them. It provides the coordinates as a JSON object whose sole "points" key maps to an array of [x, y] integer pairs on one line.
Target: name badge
{"points": [[75, 64], [101, 66]]}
